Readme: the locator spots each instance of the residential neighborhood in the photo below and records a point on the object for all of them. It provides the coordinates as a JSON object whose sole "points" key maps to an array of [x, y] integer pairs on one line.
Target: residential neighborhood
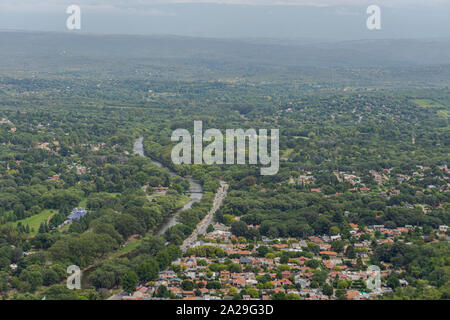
{"points": [[222, 266]]}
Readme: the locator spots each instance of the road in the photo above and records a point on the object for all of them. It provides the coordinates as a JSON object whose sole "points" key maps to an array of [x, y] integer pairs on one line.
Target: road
{"points": [[208, 219]]}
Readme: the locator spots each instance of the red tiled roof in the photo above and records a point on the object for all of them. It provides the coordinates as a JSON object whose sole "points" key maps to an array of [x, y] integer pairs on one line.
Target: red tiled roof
{"points": [[329, 253]]}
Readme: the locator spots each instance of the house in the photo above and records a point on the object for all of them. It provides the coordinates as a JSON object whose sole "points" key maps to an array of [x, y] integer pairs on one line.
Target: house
{"points": [[251, 282], [245, 260], [303, 244], [352, 295], [282, 282], [141, 292], [176, 291], [315, 239], [175, 281], [328, 253], [296, 246], [55, 177], [239, 282], [265, 239], [364, 189], [188, 293], [77, 213], [329, 264], [302, 282], [280, 246]]}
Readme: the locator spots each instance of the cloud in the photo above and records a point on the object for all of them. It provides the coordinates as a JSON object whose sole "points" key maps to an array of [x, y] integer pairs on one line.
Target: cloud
{"points": [[133, 6], [163, 8], [318, 3], [141, 4]]}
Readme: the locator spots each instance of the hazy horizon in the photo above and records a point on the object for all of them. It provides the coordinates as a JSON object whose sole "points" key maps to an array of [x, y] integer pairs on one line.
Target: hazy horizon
{"points": [[295, 19]]}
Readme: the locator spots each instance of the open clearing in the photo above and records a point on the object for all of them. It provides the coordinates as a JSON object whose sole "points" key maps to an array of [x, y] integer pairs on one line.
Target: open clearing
{"points": [[35, 221], [427, 103]]}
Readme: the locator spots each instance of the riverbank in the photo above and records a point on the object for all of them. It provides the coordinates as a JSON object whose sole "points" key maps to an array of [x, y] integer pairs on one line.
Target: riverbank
{"points": [[196, 195], [195, 189]]}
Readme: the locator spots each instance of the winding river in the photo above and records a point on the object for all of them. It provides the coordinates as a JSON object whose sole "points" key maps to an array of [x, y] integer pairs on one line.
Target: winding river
{"points": [[194, 188]]}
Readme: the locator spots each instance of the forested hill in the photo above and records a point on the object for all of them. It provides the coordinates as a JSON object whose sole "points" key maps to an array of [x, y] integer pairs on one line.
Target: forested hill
{"points": [[171, 56]]}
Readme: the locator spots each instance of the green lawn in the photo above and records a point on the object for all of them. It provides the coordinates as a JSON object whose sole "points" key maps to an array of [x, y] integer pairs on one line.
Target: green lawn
{"points": [[444, 114], [83, 203], [427, 103], [182, 201], [286, 153], [442, 111], [130, 246], [35, 221]]}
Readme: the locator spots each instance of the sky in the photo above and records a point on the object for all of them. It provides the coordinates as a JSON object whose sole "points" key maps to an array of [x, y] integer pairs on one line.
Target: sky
{"points": [[290, 19]]}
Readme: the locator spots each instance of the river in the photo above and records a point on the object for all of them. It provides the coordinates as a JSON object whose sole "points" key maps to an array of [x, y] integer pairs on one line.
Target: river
{"points": [[194, 188]]}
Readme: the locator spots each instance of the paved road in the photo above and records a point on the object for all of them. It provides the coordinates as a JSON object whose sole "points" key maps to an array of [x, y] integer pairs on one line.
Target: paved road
{"points": [[118, 296], [208, 219]]}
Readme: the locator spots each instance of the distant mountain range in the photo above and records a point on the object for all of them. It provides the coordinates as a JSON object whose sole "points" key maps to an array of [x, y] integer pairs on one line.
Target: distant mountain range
{"points": [[68, 52]]}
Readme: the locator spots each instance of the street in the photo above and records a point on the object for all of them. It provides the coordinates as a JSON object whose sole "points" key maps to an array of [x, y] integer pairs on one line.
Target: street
{"points": [[207, 220]]}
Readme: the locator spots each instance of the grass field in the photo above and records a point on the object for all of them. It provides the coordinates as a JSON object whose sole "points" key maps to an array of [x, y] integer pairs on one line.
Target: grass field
{"points": [[130, 246], [83, 203], [442, 111], [427, 103], [444, 114], [35, 221], [182, 201]]}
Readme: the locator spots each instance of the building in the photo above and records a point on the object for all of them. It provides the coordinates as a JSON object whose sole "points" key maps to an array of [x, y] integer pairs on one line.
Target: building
{"points": [[77, 213]]}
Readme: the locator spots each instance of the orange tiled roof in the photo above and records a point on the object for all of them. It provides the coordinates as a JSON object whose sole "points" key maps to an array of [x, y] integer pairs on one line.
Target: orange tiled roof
{"points": [[329, 253]]}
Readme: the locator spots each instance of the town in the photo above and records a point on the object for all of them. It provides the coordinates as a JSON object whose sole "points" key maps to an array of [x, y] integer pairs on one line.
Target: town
{"points": [[223, 266]]}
